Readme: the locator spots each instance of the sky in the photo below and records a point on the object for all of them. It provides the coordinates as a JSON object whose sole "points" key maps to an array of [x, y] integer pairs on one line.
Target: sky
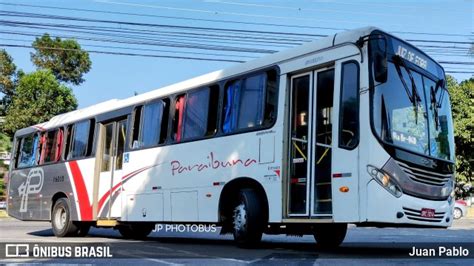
{"points": [[257, 27]]}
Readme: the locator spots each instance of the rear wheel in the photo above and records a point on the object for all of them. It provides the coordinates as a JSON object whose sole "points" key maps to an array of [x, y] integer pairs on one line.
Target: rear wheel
{"points": [[248, 219], [457, 213], [135, 231], [330, 235], [61, 219]]}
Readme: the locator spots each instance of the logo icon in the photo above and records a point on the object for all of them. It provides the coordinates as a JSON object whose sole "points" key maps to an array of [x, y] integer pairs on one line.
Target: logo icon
{"points": [[17, 250], [32, 185]]}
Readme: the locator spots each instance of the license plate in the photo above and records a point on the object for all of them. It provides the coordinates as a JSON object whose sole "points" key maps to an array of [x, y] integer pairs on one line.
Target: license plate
{"points": [[428, 213]]}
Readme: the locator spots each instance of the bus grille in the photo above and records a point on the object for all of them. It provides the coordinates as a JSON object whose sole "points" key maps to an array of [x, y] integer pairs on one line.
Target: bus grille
{"points": [[413, 214], [425, 177]]}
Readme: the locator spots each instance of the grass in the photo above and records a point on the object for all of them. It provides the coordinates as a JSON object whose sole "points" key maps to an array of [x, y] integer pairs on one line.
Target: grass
{"points": [[3, 214]]}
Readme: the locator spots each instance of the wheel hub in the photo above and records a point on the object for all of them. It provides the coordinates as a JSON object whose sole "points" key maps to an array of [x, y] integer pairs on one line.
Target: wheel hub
{"points": [[60, 218], [240, 218]]}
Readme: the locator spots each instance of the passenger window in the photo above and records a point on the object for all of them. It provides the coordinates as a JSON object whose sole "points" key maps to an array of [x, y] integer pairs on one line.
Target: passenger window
{"points": [[137, 116], [178, 117], [150, 124], [151, 128], [80, 140], [28, 151], [52, 145], [67, 142], [349, 110], [196, 114], [250, 102]]}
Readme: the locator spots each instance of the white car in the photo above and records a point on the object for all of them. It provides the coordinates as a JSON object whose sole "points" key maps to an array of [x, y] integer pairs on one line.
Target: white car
{"points": [[460, 209], [3, 205]]}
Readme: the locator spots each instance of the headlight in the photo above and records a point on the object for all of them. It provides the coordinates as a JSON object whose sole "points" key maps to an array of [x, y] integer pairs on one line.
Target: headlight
{"points": [[385, 180]]}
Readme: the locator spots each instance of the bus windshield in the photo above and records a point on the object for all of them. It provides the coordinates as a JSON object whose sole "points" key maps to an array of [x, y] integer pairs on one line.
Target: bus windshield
{"points": [[412, 109]]}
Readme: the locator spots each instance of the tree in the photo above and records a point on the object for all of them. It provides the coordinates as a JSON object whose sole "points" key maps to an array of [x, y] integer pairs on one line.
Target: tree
{"points": [[5, 143], [462, 102], [65, 58], [7, 79], [38, 97]]}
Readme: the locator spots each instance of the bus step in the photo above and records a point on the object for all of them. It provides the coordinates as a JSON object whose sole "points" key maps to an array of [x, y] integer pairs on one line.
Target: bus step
{"points": [[324, 200], [323, 184], [107, 223]]}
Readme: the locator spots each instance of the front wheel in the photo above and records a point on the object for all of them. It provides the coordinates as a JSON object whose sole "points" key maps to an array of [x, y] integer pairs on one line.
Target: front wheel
{"points": [[330, 235], [248, 219], [457, 213]]}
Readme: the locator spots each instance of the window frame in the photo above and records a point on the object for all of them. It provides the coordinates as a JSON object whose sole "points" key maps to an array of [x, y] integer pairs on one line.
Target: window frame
{"points": [[265, 124], [20, 147], [60, 159], [164, 123], [356, 144], [90, 140]]}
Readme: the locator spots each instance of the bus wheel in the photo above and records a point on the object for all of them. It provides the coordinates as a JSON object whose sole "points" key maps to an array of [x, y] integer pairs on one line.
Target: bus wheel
{"points": [[61, 219], [248, 219], [330, 235], [135, 231]]}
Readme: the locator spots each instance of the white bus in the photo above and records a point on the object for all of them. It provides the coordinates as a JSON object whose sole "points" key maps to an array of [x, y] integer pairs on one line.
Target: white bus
{"points": [[352, 128]]}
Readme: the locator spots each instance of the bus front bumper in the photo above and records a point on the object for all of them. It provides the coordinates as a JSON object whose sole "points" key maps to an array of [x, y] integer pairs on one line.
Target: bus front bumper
{"points": [[406, 211]]}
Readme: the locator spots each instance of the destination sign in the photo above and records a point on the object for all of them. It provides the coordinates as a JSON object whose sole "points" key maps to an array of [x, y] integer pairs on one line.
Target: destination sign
{"points": [[411, 56]]}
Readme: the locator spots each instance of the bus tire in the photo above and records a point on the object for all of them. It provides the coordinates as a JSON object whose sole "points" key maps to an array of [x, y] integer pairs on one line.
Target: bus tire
{"points": [[135, 231], [248, 219], [330, 235], [61, 219]]}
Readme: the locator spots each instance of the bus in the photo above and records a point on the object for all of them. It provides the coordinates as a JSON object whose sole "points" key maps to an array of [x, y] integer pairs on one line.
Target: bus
{"points": [[353, 128]]}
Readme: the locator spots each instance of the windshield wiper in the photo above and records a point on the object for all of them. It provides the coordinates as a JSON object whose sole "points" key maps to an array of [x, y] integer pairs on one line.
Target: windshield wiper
{"points": [[413, 96], [437, 104]]}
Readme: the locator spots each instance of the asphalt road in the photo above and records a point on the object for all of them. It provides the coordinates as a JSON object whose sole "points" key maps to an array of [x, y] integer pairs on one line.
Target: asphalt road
{"points": [[362, 245]]}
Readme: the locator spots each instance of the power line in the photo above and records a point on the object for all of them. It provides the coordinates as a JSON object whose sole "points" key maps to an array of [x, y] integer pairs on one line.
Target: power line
{"points": [[220, 20], [186, 34], [198, 28], [455, 63], [143, 49], [128, 54], [151, 43]]}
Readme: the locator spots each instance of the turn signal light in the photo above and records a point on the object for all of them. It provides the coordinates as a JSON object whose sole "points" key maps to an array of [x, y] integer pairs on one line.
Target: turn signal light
{"points": [[344, 189]]}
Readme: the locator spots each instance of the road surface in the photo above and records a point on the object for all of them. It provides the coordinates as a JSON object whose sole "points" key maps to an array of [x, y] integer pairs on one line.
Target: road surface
{"points": [[362, 245]]}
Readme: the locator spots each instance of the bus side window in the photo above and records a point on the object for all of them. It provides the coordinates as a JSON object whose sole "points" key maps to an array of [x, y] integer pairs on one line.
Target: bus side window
{"points": [[67, 143], [349, 106], [137, 115], [178, 118], [196, 116], [250, 102], [151, 126], [52, 144], [81, 140], [28, 150]]}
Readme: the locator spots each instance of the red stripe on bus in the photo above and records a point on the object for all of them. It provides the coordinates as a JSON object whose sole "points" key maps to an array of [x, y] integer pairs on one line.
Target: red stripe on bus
{"points": [[105, 197], [81, 190]]}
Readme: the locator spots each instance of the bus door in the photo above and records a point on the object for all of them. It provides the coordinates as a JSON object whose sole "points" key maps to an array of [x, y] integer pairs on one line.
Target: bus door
{"points": [[309, 180], [110, 153]]}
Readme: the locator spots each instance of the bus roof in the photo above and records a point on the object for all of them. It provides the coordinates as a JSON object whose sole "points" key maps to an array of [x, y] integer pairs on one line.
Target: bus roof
{"points": [[203, 80]]}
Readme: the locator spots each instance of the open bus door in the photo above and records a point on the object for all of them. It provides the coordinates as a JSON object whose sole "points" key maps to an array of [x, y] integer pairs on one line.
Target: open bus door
{"points": [[109, 164], [322, 177]]}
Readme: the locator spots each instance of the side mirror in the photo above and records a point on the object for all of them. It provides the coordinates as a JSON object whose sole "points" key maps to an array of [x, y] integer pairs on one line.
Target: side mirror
{"points": [[380, 67], [379, 53]]}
